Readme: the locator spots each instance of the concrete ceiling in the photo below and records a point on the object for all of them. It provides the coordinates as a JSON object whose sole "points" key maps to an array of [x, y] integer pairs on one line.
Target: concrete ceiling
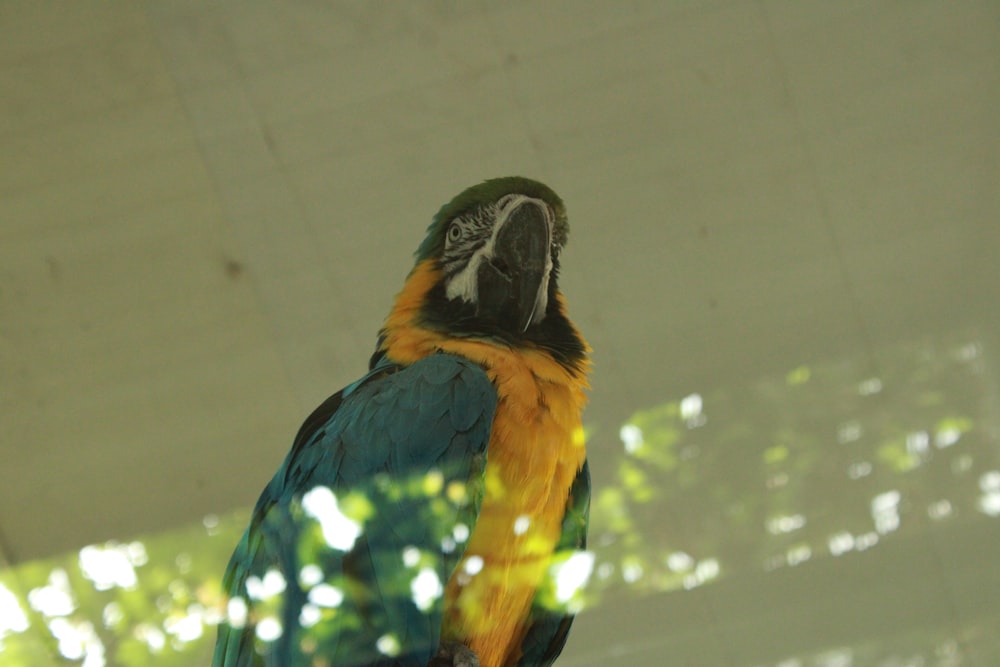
{"points": [[206, 209]]}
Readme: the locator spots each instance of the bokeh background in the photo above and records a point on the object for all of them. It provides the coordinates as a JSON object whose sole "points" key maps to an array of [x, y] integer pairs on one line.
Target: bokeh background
{"points": [[785, 229]]}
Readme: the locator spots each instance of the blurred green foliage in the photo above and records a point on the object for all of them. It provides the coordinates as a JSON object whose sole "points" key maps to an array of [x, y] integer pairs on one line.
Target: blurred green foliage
{"points": [[79, 614], [818, 461], [815, 462]]}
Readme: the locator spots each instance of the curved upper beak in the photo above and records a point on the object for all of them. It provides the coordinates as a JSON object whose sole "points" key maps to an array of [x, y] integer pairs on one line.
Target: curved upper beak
{"points": [[513, 278]]}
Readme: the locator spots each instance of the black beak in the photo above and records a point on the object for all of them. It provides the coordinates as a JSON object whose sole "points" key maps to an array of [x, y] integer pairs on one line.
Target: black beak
{"points": [[509, 280]]}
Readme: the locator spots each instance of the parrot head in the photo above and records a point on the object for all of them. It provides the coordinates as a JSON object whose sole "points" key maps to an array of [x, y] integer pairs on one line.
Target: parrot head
{"points": [[488, 270]]}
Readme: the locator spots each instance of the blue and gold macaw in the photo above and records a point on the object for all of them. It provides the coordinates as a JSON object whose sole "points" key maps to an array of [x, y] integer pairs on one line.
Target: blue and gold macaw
{"points": [[418, 515]]}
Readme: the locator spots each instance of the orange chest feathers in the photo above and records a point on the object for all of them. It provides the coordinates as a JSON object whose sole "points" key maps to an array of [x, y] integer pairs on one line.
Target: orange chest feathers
{"points": [[536, 449]]}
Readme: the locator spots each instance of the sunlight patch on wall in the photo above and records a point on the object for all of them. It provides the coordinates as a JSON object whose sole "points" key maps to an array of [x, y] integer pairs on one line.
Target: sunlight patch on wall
{"points": [[820, 462], [823, 461], [919, 649], [12, 616], [150, 601]]}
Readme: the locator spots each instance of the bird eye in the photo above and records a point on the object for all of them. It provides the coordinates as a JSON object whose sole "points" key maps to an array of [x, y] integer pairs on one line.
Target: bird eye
{"points": [[454, 232]]}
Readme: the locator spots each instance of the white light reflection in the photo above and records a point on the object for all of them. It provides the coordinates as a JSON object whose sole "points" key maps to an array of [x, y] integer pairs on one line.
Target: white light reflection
{"points": [[678, 561], [236, 612], [12, 616], [885, 511], [840, 543], [989, 484], [869, 386], [859, 469], [707, 569], [108, 567], [885, 501], [70, 641], [969, 351], [837, 658], [780, 525], [849, 432], [411, 556], [112, 614], [918, 444], [310, 615], [78, 641], [95, 652], [691, 410], [388, 645], [866, 541], [268, 629], [989, 481], [631, 437], [798, 554], [183, 562], [946, 437], [178, 589], [151, 636], [326, 595], [339, 531], [632, 571], [939, 510], [691, 406], [56, 599], [473, 565], [426, 588], [212, 615], [310, 575], [271, 585], [136, 553], [572, 574], [186, 628], [521, 524], [211, 523], [989, 504]]}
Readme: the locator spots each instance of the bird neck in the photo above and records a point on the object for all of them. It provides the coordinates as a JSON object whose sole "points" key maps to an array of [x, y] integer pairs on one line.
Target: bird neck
{"points": [[405, 338]]}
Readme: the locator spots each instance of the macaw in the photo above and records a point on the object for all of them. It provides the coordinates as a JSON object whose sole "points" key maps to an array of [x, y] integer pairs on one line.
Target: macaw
{"points": [[418, 515]]}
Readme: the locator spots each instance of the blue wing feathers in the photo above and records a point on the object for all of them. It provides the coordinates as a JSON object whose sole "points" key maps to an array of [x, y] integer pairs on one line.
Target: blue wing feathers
{"points": [[549, 628], [395, 423]]}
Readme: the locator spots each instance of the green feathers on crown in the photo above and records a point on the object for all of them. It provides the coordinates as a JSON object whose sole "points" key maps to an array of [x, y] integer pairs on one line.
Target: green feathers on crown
{"points": [[484, 193]]}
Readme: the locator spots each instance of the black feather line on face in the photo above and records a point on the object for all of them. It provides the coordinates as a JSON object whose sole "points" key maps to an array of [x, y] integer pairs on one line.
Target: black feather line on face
{"points": [[554, 334]]}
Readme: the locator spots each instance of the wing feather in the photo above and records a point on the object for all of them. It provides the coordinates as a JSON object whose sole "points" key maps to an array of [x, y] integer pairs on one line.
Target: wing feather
{"points": [[386, 448], [549, 627]]}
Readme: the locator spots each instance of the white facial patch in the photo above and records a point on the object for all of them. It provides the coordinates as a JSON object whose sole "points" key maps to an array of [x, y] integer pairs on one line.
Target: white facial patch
{"points": [[542, 298], [464, 285]]}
